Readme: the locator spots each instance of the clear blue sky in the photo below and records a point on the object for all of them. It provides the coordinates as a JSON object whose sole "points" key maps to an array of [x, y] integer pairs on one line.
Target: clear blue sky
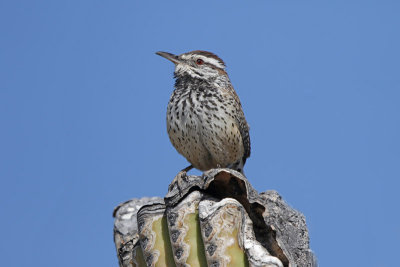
{"points": [[83, 102]]}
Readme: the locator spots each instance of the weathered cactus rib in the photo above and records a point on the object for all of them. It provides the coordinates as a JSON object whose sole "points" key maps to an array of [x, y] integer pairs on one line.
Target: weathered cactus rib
{"points": [[268, 226]]}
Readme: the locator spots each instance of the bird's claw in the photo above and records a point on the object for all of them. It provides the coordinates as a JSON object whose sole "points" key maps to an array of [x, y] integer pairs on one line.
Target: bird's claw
{"points": [[178, 181]]}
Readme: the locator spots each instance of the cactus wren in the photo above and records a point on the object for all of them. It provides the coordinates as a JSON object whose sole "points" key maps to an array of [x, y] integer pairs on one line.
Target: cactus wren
{"points": [[205, 120]]}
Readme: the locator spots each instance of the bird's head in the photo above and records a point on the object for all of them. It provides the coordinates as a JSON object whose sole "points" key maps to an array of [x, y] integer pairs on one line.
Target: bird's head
{"points": [[198, 64]]}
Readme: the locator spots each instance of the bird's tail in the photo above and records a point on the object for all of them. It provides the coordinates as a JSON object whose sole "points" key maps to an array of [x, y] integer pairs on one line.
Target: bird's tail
{"points": [[238, 165]]}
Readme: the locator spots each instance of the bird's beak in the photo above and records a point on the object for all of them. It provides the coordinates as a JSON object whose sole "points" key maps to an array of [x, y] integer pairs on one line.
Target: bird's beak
{"points": [[169, 56]]}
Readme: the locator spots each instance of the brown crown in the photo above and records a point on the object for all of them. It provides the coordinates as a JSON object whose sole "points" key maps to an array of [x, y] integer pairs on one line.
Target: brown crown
{"points": [[207, 54]]}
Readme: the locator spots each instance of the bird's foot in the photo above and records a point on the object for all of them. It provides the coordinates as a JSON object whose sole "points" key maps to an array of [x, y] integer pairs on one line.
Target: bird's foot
{"points": [[179, 180]]}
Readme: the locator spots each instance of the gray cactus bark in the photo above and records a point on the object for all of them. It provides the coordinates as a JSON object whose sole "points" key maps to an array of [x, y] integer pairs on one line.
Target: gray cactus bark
{"points": [[217, 219]]}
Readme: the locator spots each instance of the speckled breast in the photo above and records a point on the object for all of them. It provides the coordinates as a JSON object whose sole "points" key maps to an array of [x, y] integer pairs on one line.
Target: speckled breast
{"points": [[202, 127]]}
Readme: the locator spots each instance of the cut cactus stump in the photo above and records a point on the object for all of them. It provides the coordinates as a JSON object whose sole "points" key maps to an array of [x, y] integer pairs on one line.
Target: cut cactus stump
{"points": [[217, 219]]}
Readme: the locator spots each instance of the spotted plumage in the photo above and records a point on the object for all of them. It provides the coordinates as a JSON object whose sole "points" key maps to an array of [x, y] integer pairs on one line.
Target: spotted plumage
{"points": [[205, 120]]}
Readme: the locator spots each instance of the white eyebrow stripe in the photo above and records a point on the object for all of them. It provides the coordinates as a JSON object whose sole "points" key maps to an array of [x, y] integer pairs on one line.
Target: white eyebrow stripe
{"points": [[186, 56], [212, 61], [209, 60]]}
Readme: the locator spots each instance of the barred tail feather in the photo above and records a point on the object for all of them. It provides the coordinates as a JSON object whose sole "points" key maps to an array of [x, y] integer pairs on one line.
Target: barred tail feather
{"points": [[238, 165]]}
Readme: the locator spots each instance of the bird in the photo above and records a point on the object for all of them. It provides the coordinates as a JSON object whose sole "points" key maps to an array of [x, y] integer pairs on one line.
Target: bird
{"points": [[205, 118]]}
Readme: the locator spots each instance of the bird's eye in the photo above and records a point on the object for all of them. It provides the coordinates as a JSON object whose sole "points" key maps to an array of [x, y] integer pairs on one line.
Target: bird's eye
{"points": [[199, 61]]}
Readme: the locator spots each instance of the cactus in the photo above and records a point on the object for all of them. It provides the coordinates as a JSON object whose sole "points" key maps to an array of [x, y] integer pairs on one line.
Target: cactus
{"points": [[217, 219]]}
